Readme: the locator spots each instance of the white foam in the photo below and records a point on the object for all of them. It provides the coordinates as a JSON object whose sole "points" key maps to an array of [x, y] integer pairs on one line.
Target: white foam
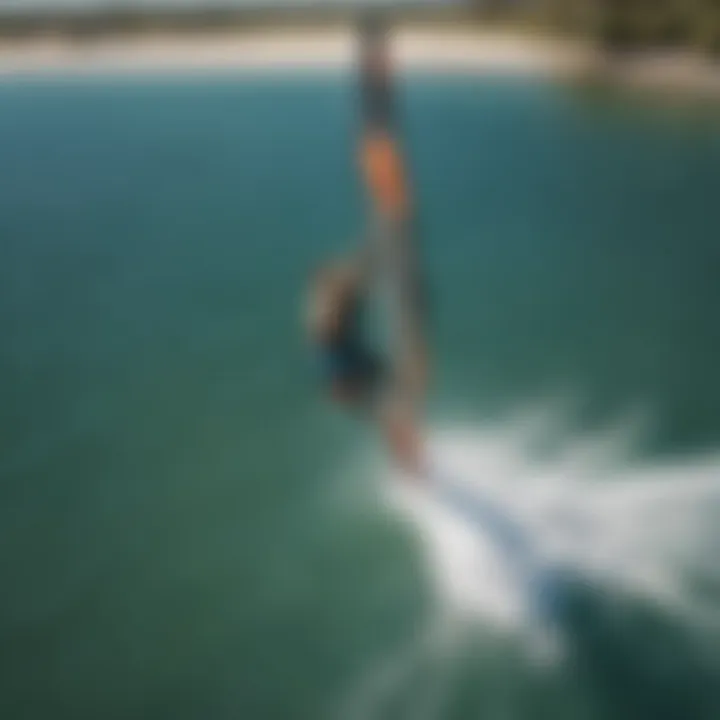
{"points": [[626, 528], [629, 528]]}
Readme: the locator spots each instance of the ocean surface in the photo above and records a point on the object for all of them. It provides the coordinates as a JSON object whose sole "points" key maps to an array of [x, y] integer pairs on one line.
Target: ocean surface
{"points": [[188, 531]]}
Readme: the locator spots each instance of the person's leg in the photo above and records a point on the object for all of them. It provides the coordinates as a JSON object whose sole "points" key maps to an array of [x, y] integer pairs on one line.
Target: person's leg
{"points": [[404, 297], [364, 386], [403, 438]]}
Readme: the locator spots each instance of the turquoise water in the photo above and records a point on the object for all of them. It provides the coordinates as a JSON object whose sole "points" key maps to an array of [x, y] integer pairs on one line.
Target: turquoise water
{"points": [[186, 530]]}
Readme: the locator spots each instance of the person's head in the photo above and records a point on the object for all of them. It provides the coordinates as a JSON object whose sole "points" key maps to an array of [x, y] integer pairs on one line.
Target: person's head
{"points": [[336, 277]]}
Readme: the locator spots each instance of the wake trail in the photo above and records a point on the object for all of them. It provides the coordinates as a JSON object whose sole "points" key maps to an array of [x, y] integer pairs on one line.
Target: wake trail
{"points": [[511, 542]]}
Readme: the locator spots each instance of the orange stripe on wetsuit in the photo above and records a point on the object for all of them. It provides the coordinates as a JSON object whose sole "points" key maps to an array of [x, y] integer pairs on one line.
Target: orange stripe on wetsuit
{"points": [[384, 173]]}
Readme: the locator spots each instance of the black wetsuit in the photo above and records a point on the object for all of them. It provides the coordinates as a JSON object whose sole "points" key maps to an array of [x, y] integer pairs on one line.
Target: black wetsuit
{"points": [[344, 357]]}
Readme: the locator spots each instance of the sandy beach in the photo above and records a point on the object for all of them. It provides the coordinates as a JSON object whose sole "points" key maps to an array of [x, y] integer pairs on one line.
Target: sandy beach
{"points": [[440, 50], [300, 50]]}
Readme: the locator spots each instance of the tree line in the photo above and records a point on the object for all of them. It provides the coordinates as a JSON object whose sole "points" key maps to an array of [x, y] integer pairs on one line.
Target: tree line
{"points": [[616, 25], [624, 25]]}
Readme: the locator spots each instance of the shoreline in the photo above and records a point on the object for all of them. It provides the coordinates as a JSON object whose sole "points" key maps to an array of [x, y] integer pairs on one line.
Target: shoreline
{"points": [[437, 50], [441, 50]]}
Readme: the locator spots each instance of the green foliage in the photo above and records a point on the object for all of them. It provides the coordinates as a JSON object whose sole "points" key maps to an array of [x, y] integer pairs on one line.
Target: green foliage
{"points": [[635, 24]]}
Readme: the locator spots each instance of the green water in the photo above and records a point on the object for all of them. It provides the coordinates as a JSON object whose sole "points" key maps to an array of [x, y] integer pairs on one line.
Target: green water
{"points": [[169, 542]]}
